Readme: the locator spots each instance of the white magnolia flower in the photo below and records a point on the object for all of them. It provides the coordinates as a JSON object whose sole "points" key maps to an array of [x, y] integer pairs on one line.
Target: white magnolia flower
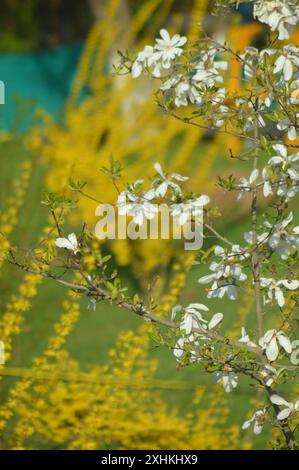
{"points": [[137, 205], [285, 171], [226, 273], [247, 185], [70, 243], [287, 126], [248, 111], [207, 69], [164, 181], [192, 317], [275, 291], [288, 406], [215, 320], [188, 343], [219, 96], [154, 59], [207, 77], [220, 289], [270, 342], [282, 15], [179, 348], [270, 374], [287, 62], [287, 188], [168, 47], [268, 100], [283, 240], [185, 210], [251, 58], [257, 420], [286, 163], [92, 304], [248, 237], [185, 90], [245, 339], [267, 185], [193, 320], [146, 59], [220, 116], [228, 378]]}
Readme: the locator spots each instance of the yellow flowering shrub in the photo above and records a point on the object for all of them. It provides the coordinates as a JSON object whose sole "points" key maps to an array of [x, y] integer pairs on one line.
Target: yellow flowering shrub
{"points": [[115, 405]]}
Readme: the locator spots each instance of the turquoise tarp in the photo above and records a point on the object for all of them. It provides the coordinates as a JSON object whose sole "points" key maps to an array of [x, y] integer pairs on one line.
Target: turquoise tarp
{"points": [[36, 79]]}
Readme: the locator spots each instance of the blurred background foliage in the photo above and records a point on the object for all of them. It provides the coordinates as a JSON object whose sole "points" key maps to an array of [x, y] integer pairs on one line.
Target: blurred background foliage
{"points": [[75, 378], [33, 25]]}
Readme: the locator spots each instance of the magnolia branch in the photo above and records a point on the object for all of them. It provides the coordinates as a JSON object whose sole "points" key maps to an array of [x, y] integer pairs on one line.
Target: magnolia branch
{"points": [[99, 293]]}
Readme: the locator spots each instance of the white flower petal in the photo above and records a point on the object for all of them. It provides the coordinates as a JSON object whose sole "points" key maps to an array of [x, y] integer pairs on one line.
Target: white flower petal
{"points": [[278, 400], [203, 200], [73, 239], [292, 133], [247, 424], [257, 428], [284, 342], [279, 64], [232, 292], [199, 306], [206, 279], [287, 70], [217, 318], [63, 243], [253, 176], [272, 350], [279, 297], [136, 69], [161, 189], [284, 414], [292, 285], [158, 169]]}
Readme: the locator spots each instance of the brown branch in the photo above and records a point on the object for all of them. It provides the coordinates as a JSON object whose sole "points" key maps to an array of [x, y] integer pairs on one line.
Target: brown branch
{"points": [[210, 128]]}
